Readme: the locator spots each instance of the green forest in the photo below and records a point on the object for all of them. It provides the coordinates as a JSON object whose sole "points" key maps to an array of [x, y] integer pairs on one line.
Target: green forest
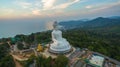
{"points": [[41, 61], [6, 60], [103, 42]]}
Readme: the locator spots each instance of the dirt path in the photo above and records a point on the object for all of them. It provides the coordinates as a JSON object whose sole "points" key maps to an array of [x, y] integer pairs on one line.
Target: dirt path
{"points": [[1, 43], [17, 63]]}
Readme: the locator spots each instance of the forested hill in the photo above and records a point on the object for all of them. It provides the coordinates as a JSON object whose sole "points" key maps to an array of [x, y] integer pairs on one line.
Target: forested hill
{"points": [[111, 24], [104, 43]]}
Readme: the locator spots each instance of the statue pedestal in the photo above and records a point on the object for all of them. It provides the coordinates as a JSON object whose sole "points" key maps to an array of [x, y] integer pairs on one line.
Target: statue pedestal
{"points": [[60, 52]]}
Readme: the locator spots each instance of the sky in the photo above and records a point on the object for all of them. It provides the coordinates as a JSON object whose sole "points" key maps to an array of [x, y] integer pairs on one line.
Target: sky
{"points": [[58, 9], [30, 16]]}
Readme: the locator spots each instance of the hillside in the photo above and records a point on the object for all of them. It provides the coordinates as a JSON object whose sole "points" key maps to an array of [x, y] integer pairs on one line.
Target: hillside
{"points": [[100, 24], [71, 24]]}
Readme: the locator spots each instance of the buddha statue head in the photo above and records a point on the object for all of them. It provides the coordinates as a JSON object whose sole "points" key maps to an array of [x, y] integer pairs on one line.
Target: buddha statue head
{"points": [[55, 25]]}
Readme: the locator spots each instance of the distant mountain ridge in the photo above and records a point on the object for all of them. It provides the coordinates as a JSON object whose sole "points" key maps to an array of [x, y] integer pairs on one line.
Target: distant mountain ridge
{"points": [[110, 24], [115, 17], [71, 24]]}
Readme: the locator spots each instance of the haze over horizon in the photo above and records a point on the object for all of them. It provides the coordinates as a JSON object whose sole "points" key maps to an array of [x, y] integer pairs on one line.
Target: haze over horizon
{"points": [[28, 16]]}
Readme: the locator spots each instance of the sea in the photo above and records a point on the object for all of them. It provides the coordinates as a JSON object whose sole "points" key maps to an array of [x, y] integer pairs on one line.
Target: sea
{"points": [[11, 28]]}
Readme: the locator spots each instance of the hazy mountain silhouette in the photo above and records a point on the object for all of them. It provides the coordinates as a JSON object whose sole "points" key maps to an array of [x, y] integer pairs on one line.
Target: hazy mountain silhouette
{"points": [[111, 24]]}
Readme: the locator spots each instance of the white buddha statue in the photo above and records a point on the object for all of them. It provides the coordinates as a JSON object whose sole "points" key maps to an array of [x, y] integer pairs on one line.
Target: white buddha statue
{"points": [[59, 44]]}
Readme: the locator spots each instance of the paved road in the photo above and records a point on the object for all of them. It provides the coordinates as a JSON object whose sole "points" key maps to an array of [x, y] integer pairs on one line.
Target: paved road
{"points": [[74, 58], [79, 64]]}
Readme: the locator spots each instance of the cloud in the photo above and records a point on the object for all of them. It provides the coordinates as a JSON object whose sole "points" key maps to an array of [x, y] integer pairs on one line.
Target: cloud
{"points": [[6, 11], [44, 5], [65, 5], [53, 8], [36, 12], [89, 6], [25, 4], [49, 25], [110, 9], [104, 7], [47, 4]]}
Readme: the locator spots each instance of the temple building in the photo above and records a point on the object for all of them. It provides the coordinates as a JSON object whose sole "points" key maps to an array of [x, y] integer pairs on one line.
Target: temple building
{"points": [[39, 48]]}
